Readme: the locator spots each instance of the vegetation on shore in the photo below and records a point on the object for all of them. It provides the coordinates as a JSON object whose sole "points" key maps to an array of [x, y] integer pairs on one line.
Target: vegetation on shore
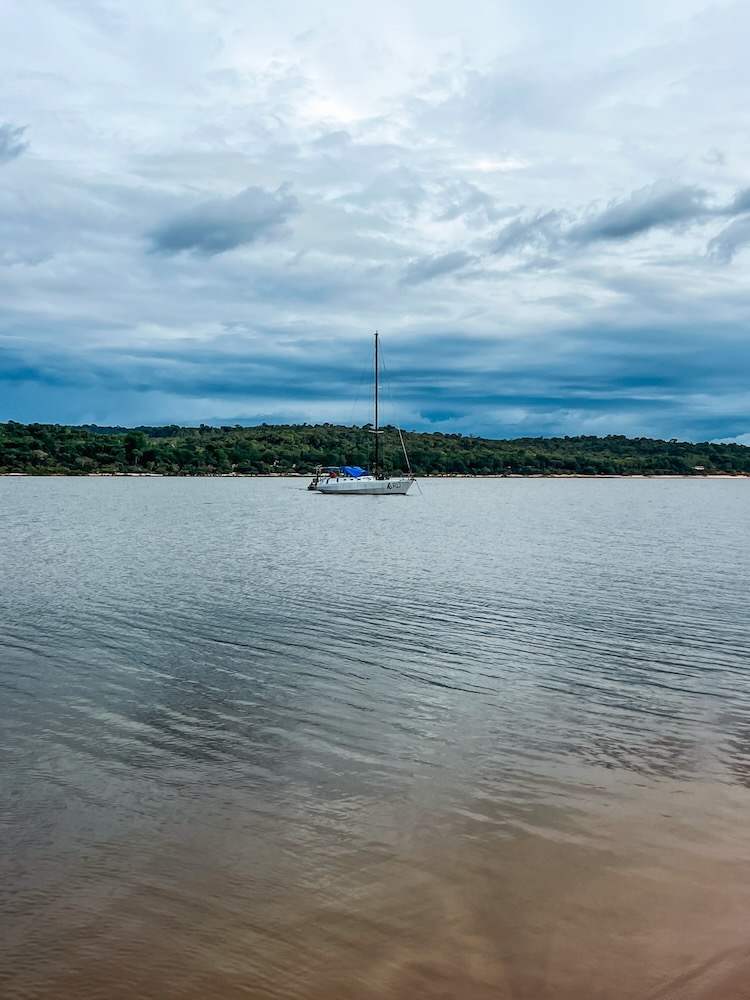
{"points": [[52, 449]]}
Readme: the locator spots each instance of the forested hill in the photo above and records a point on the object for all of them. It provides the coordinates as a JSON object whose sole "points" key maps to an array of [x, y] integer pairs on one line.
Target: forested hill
{"points": [[47, 449]]}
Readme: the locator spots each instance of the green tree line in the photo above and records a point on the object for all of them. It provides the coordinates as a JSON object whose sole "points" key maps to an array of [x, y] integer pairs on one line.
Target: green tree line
{"points": [[52, 449]]}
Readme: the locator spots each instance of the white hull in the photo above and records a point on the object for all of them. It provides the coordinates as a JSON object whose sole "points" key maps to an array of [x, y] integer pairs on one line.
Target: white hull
{"points": [[366, 486]]}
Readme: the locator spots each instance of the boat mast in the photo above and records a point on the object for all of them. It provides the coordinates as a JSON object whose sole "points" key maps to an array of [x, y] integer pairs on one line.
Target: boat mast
{"points": [[376, 466]]}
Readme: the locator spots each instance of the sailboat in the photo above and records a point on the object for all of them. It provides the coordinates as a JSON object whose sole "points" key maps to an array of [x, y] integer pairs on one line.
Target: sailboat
{"points": [[351, 480]]}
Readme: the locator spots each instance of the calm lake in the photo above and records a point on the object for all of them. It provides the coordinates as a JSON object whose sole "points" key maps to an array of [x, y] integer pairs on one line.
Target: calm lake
{"points": [[488, 742]]}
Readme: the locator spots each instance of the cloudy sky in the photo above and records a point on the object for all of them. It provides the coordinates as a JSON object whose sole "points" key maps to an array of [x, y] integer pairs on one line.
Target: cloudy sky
{"points": [[207, 206]]}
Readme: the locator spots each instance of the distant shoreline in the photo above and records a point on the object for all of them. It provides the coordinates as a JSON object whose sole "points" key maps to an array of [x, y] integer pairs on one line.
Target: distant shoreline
{"points": [[309, 475], [285, 449]]}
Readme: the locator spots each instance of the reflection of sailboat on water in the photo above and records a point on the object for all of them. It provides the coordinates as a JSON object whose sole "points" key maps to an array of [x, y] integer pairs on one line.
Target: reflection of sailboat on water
{"points": [[351, 480]]}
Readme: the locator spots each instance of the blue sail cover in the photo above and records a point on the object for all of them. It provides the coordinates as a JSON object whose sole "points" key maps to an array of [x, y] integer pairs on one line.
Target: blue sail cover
{"points": [[353, 470]]}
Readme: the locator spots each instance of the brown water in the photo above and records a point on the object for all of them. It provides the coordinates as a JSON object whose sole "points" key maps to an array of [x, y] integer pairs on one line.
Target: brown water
{"points": [[489, 743]]}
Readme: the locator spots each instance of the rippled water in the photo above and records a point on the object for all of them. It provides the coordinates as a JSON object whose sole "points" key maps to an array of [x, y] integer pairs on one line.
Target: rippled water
{"points": [[493, 742]]}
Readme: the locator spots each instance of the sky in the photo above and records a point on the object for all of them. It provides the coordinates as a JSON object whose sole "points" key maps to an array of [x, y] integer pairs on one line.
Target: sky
{"points": [[208, 206]]}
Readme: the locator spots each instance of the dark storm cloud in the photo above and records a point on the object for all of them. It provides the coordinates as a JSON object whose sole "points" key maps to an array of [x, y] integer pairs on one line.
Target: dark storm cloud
{"points": [[427, 268], [12, 142], [730, 240], [648, 208], [629, 378], [225, 223], [657, 206], [228, 370]]}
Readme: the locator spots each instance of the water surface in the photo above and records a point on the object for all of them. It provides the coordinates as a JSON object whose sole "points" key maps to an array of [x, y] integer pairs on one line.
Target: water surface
{"points": [[492, 742]]}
